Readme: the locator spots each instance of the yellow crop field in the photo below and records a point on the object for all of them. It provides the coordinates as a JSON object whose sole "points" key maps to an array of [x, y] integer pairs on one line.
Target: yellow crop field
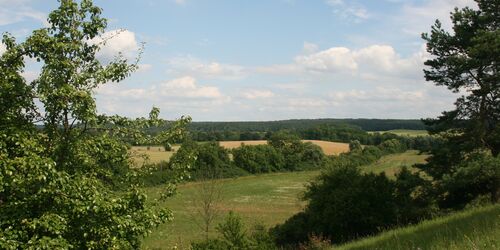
{"points": [[329, 148], [157, 154]]}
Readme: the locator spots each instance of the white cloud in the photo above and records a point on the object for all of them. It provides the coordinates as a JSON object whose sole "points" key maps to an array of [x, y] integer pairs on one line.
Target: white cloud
{"points": [[258, 94], [310, 48], [189, 65], [379, 94], [182, 95], [183, 87], [2, 48], [307, 103], [330, 60], [187, 87], [114, 42], [180, 2], [374, 61], [14, 11], [144, 67], [279, 69], [418, 18], [351, 10]]}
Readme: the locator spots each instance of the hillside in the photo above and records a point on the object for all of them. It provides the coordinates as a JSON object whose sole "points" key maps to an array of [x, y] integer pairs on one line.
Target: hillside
{"points": [[477, 228]]}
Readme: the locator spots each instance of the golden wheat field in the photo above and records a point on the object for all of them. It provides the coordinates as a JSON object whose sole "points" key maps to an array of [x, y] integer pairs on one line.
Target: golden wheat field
{"points": [[329, 148], [156, 154]]}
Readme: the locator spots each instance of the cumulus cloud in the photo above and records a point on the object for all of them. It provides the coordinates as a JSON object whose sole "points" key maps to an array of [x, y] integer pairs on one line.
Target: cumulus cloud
{"points": [[2, 48], [330, 60], [183, 87], [258, 94], [114, 42], [14, 11], [187, 87], [368, 62], [189, 65], [182, 94]]}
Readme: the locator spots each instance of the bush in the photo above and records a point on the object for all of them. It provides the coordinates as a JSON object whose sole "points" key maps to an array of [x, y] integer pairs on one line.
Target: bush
{"points": [[413, 197], [258, 159], [344, 204], [477, 175]]}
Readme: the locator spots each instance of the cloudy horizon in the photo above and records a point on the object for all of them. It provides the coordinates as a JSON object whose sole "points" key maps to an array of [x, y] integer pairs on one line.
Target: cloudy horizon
{"points": [[263, 60]]}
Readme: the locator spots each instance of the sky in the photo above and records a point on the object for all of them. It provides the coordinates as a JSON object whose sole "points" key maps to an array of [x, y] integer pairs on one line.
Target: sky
{"points": [[240, 60]]}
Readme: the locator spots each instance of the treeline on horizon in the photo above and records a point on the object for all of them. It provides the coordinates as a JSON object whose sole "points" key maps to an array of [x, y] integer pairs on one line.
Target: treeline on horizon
{"points": [[337, 130], [259, 126]]}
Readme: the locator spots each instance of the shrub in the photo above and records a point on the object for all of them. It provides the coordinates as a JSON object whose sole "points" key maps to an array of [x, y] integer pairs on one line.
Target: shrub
{"points": [[343, 204], [258, 158]]}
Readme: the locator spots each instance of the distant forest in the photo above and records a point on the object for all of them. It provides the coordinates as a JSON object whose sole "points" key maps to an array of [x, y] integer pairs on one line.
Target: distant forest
{"points": [[300, 124]]}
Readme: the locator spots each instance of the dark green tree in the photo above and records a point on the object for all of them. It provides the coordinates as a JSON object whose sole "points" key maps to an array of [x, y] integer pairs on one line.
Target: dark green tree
{"points": [[466, 60]]}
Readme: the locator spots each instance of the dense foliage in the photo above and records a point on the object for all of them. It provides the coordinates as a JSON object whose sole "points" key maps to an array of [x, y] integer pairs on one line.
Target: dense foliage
{"points": [[69, 186], [467, 60], [345, 204]]}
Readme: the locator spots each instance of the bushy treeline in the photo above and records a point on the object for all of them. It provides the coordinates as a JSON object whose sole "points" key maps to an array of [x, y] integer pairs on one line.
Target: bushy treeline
{"points": [[326, 132], [283, 152], [301, 124]]}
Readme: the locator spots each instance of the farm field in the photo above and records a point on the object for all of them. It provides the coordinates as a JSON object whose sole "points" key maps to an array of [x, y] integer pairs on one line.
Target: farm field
{"points": [[157, 154], [477, 228], [391, 163], [272, 198], [405, 132], [329, 148]]}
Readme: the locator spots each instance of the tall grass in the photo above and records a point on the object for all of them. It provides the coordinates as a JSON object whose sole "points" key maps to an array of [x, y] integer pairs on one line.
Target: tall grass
{"points": [[477, 228]]}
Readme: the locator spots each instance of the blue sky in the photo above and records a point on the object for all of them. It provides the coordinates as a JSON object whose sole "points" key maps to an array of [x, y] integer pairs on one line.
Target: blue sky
{"points": [[263, 59]]}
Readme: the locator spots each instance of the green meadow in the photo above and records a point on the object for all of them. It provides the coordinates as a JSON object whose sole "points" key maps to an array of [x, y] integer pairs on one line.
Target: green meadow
{"points": [[266, 199]]}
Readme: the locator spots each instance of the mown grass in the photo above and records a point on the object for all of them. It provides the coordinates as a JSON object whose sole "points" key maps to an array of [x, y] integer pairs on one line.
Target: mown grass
{"points": [[267, 199], [390, 164], [264, 199], [477, 228], [405, 132]]}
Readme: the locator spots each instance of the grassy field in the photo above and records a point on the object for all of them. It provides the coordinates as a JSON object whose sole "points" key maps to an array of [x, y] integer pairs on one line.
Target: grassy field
{"points": [[405, 132], [268, 199], [390, 164], [329, 148], [477, 228]]}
